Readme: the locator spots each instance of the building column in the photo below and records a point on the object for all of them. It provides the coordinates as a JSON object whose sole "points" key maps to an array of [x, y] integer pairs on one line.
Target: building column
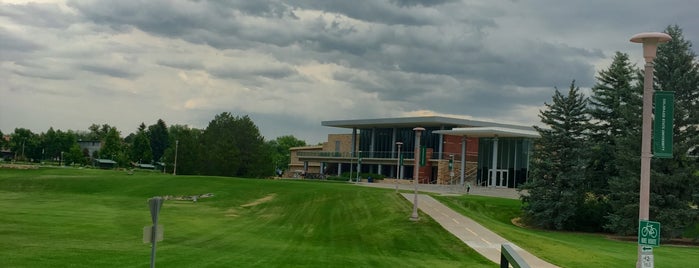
{"points": [[441, 144], [373, 142], [463, 159], [339, 169], [493, 171], [393, 142]]}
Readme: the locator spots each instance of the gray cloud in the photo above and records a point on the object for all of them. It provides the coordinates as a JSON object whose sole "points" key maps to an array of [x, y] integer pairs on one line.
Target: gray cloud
{"points": [[38, 15], [118, 72], [291, 64]]}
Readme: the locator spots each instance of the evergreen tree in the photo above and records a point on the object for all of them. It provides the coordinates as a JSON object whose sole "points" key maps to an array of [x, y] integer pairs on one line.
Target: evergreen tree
{"points": [[615, 109], [141, 148], [674, 182], [556, 190], [187, 143], [111, 148], [159, 139]]}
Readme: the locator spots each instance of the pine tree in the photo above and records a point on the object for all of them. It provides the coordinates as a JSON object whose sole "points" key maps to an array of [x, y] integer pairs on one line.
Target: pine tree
{"points": [[159, 139], [615, 109], [674, 182], [141, 151], [555, 192]]}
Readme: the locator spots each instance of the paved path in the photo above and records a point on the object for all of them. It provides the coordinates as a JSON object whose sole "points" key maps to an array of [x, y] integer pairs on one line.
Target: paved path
{"points": [[473, 234], [449, 189]]}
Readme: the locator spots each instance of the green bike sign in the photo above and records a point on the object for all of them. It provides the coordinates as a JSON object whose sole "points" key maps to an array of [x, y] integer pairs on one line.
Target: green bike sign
{"points": [[649, 233]]}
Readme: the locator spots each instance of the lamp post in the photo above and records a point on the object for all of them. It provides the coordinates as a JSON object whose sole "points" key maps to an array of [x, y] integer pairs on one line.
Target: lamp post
{"points": [[650, 43], [174, 169], [398, 165], [416, 170], [359, 164]]}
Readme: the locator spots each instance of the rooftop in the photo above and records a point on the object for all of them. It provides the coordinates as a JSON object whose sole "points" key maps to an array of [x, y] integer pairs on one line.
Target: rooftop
{"points": [[423, 121]]}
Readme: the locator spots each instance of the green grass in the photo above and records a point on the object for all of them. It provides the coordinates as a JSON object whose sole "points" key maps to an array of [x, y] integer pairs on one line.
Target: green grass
{"points": [[563, 248], [56, 217]]}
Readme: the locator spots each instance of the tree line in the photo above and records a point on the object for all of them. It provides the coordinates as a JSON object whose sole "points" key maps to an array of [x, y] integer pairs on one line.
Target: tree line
{"points": [[585, 169], [228, 146]]}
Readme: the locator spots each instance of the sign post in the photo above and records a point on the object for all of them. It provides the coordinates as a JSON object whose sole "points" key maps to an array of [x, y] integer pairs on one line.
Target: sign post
{"points": [[154, 204], [662, 123], [648, 237]]}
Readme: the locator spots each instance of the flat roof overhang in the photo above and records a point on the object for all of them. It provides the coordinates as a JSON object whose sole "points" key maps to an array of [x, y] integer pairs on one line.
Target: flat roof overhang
{"points": [[422, 121], [486, 132]]}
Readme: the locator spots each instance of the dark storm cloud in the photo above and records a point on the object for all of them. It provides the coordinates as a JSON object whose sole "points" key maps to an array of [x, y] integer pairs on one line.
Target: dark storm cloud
{"points": [[366, 58]]}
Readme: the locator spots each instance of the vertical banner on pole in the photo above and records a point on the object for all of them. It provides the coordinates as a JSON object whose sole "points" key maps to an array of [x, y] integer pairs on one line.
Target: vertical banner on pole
{"points": [[662, 123]]}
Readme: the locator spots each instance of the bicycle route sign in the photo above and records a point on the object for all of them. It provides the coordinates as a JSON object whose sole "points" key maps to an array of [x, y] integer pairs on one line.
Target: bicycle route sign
{"points": [[649, 233]]}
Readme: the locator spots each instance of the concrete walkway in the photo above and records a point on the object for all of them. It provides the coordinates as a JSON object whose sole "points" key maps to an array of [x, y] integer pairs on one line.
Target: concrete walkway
{"points": [[473, 234]]}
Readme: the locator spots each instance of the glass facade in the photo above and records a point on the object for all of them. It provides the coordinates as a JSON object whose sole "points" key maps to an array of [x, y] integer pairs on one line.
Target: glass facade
{"points": [[509, 167], [384, 144]]}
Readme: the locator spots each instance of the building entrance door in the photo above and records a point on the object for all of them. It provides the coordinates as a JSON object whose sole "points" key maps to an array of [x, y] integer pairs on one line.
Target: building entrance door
{"points": [[498, 178]]}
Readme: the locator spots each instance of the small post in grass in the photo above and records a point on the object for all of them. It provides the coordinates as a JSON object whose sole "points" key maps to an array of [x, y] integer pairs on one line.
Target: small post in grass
{"points": [[154, 235]]}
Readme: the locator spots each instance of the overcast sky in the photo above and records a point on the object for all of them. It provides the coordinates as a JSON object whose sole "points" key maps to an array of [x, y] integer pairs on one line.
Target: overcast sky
{"points": [[291, 64]]}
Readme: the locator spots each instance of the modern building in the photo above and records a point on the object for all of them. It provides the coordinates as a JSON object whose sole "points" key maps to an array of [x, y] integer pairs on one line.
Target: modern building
{"points": [[457, 151]]}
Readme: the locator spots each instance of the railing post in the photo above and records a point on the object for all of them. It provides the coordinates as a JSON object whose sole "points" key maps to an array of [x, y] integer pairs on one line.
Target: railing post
{"points": [[509, 256]]}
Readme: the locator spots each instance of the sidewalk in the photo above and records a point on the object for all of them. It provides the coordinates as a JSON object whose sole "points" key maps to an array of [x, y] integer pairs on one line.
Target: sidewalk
{"points": [[473, 234], [449, 189]]}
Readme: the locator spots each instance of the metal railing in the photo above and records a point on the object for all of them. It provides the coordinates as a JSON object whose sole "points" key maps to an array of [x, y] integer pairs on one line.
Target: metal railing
{"points": [[508, 256]]}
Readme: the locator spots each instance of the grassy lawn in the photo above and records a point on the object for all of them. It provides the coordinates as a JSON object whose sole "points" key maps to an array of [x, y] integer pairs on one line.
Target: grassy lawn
{"points": [[562, 248], [55, 217]]}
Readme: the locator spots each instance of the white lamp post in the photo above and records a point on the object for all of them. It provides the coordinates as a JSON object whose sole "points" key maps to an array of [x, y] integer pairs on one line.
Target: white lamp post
{"points": [[416, 170], [650, 45], [174, 169], [398, 165]]}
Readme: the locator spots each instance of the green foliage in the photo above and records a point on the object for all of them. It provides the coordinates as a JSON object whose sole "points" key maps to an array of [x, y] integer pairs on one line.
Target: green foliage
{"points": [[74, 156], [186, 141], [25, 144], [159, 140], [674, 186], [141, 151], [233, 146], [556, 189], [280, 150]]}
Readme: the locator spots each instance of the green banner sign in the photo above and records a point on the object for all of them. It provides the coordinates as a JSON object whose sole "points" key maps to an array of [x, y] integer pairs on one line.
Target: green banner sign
{"points": [[662, 123], [423, 156]]}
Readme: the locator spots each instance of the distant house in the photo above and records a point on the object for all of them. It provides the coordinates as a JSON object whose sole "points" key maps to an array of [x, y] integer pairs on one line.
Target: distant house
{"points": [[89, 147], [104, 163]]}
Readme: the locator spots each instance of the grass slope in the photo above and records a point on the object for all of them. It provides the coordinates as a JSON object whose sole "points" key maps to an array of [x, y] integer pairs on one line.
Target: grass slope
{"points": [[563, 248], [93, 218]]}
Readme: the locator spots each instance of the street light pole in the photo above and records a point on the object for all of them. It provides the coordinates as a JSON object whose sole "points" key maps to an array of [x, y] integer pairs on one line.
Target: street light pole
{"points": [[398, 165], [650, 43], [416, 170], [174, 169]]}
